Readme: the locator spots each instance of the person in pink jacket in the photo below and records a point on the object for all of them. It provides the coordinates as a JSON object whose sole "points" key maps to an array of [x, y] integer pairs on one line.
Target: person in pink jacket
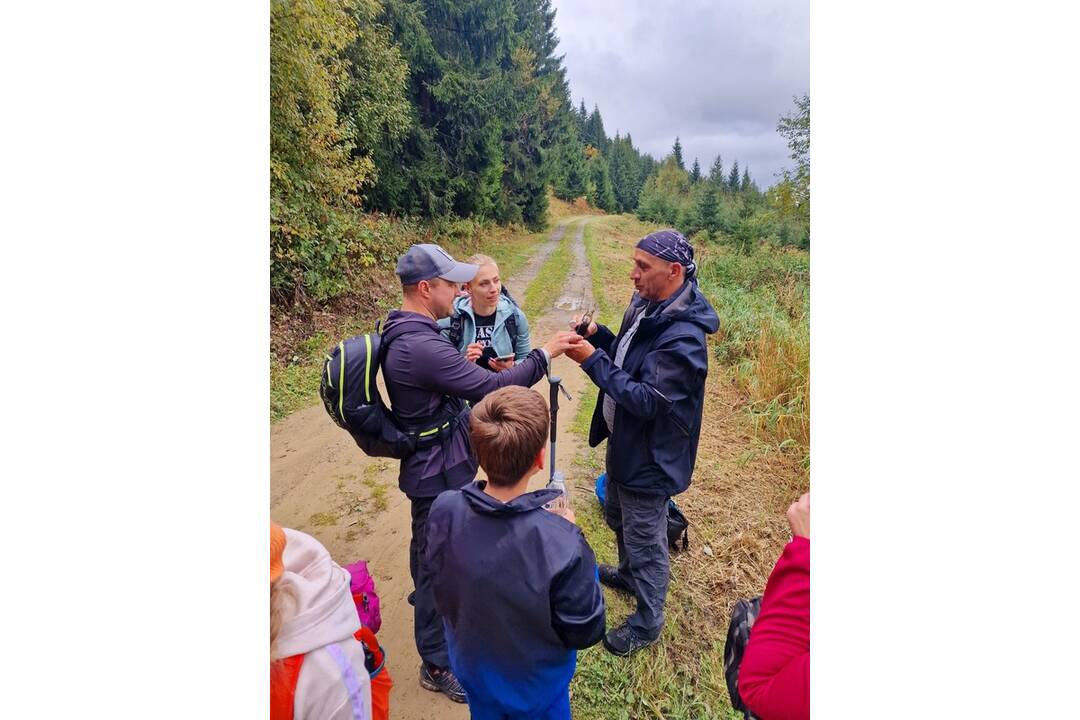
{"points": [[774, 679]]}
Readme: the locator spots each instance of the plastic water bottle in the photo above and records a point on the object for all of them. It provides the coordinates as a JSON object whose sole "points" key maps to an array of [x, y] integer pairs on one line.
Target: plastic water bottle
{"points": [[557, 482]]}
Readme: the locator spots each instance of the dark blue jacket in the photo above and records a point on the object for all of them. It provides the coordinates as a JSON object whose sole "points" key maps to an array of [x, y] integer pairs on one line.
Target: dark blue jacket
{"points": [[424, 375], [517, 589], [659, 391]]}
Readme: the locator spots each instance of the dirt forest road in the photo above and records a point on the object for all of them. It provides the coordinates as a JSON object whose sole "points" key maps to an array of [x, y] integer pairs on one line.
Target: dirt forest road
{"points": [[322, 484]]}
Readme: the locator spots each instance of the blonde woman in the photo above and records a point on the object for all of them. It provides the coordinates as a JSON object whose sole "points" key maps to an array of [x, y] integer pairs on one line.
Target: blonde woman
{"points": [[486, 324]]}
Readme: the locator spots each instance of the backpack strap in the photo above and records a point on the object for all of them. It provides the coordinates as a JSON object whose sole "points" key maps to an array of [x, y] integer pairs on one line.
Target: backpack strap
{"points": [[457, 323], [283, 676], [439, 421], [349, 678], [511, 327], [285, 673]]}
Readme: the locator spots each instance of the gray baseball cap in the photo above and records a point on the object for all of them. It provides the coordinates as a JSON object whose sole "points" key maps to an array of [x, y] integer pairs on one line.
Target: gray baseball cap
{"points": [[426, 261]]}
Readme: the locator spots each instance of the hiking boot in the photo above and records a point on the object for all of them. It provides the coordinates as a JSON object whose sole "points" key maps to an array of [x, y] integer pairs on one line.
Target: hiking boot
{"points": [[624, 640], [441, 680], [609, 575]]}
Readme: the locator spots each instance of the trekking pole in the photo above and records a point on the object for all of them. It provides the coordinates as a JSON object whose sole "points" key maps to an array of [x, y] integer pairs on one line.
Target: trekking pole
{"points": [[553, 400], [556, 479]]}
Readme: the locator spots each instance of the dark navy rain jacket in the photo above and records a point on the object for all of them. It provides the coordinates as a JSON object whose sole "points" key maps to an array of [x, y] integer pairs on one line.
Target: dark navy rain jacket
{"points": [[659, 391], [517, 589]]}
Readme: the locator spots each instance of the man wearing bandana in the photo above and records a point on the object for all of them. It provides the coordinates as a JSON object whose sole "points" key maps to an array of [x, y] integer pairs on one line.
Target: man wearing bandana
{"points": [[652, 387]]}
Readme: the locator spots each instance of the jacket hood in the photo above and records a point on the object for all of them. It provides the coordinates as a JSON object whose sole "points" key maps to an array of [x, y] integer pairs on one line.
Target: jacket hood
{"points": [[484, 504], [401, 318], [688, 304], [319, 608]]}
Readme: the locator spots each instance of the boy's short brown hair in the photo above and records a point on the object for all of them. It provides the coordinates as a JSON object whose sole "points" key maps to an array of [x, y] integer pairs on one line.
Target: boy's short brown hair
{"points": [[509, 427]]}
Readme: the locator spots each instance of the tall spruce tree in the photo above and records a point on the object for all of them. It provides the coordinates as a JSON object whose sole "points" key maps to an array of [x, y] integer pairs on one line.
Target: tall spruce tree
{"points": [[594, 132], [569, 176], [707, 209], [695, 172], [602, 194], [676, 150], [716, 173], [744, 186], [733, 178], [649, 167], [625, 167]]}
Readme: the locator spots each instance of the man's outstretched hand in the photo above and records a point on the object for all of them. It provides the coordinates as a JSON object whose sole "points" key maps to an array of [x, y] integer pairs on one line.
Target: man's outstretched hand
{"points": [[561, 342], [581, 351], [500, 365]]}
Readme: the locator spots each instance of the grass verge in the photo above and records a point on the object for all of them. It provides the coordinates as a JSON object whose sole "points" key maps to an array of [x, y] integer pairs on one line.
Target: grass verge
{"points": [[763, 300], [548, 283]]}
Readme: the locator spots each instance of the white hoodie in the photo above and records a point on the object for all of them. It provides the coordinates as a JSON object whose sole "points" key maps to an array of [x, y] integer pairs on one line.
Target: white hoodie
{"points": [[319, 612]]}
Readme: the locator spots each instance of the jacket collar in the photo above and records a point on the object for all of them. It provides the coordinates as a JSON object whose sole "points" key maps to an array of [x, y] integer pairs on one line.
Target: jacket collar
{"points": [[502, 310], [484, 504]]}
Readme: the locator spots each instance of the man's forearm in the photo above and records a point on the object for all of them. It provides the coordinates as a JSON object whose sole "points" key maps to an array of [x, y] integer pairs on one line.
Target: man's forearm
{"points": [[636, 397]]}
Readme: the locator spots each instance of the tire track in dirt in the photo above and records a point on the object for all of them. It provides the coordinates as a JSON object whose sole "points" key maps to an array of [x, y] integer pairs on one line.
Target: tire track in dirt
{"points": [[322, 484]]}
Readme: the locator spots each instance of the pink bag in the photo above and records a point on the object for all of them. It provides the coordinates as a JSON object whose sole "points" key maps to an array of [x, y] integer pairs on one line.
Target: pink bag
{"points": [[363, 592]]}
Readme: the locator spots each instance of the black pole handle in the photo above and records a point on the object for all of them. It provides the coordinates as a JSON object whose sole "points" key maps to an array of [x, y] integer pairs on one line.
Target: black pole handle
{"points": [[553, 401]]}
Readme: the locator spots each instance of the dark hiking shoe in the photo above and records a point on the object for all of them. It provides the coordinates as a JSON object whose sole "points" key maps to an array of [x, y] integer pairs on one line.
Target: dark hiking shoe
{"points": [[623, 641], [441, 680], [609, 575]]}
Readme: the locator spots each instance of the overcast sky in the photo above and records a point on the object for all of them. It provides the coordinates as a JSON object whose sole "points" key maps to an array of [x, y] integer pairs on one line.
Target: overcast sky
{"points": [[717, 73]]}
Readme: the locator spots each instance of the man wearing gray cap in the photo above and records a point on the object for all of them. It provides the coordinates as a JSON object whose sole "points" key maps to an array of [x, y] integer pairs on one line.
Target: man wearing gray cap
{"points": [[428, 378]]}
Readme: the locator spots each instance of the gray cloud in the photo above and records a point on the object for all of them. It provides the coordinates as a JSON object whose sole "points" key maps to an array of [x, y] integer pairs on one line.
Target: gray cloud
{"points": [[717, 74]]}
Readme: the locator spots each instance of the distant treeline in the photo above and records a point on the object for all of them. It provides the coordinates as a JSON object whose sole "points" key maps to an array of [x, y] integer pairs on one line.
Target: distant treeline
{"points": [[444, 108]]}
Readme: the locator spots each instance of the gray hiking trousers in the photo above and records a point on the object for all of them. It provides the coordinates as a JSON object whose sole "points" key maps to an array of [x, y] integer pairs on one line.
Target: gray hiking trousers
{"points": [[640, 524]]}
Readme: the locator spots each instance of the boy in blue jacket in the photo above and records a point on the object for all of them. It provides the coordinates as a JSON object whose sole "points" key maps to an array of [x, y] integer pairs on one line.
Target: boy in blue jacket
{"points": [[515, 584]]}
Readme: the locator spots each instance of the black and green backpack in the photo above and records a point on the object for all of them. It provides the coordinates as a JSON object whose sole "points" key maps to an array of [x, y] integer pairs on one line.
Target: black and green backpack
{"points": [[349, 391]]}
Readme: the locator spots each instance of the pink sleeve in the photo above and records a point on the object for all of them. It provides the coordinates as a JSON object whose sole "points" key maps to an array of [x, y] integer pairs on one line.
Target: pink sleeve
{"points": [[774, 678]]}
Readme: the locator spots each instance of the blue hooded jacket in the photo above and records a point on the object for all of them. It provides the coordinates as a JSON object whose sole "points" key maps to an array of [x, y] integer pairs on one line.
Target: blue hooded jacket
{"points": [[517, 589], [659, 391]]}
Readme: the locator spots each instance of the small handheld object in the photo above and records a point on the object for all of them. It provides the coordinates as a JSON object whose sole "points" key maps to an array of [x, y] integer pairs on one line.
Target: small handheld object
{"points": [[582, 328], [489, 354]]}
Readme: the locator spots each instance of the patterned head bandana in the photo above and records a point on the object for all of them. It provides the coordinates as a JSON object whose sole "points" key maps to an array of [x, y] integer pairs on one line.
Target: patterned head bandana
{"points": [[670, 245]]}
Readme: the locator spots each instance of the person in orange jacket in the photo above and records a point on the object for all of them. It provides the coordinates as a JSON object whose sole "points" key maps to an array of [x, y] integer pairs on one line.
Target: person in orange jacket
{"points": [[317, 644]]}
